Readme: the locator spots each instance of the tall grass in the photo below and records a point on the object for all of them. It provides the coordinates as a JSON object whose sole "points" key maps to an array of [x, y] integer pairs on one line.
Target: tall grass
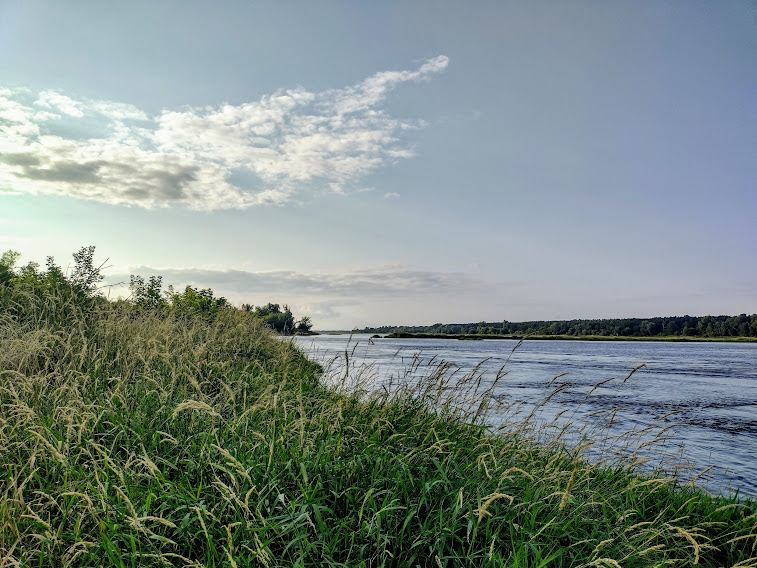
{"points": [[132, 438]]}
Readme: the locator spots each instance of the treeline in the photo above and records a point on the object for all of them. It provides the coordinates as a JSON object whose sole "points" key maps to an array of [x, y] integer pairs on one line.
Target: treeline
{"points": [[675, 326], [83, 285]]}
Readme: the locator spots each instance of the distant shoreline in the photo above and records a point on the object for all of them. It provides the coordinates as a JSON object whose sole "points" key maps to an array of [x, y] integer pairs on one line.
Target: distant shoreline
{"points": [[474, 337]]}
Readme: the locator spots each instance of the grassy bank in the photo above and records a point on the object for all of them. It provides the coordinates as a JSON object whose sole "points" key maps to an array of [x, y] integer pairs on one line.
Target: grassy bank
{"points": [[678, 338], [141, 438]]}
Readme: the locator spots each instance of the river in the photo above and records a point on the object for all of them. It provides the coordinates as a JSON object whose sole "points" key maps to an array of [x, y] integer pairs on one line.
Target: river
{"points": [[704, 395]]}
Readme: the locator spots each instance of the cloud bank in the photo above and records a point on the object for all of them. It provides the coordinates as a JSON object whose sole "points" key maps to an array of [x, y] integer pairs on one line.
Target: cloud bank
{"points": [[227, 157], [336, 299], [384, 282]]}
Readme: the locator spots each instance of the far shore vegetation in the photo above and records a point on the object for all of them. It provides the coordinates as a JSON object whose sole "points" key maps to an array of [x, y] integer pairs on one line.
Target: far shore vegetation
{"points": [[181, 431], [475, 336], [674, 328]]}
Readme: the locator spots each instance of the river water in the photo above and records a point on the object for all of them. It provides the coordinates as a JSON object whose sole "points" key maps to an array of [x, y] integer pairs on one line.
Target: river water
{"points": [[704, 395]]}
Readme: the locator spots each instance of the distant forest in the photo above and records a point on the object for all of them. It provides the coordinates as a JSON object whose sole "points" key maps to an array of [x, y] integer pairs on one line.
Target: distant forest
{"points": [[681, 326]]}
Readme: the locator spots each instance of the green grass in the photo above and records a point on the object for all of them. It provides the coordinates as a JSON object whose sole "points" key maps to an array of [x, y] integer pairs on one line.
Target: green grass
{"points": [[131, 438]]}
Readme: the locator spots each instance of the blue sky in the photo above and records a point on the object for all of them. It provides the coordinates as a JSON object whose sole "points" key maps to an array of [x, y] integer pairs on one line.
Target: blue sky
{"points": [[376, 163]]}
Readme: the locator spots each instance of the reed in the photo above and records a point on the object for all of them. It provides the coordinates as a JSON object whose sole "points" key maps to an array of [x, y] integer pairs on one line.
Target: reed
{"points": [[133, 438]]}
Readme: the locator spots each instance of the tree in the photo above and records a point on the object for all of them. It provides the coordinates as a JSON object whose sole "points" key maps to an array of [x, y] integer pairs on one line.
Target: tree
{"points": [[7, 263], [86, 276], [147, 295], [275, 318], [304, 325], [194, 300]]}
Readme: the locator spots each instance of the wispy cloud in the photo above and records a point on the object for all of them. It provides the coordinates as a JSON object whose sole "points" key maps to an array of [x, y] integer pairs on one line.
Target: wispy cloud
{"points": [[59, 102], [288, 142]]}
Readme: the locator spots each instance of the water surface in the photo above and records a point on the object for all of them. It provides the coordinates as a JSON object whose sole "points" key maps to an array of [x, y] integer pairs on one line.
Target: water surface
{"points": [[711, 389]]}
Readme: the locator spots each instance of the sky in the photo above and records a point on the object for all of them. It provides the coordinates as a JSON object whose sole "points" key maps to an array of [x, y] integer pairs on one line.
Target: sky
{"points": [[390, 163]]}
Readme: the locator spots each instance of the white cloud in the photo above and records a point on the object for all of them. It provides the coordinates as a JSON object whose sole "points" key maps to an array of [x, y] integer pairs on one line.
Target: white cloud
{"points": [[391, 195], [119, 111], [368, 93], [291, 141], [62, 103]]}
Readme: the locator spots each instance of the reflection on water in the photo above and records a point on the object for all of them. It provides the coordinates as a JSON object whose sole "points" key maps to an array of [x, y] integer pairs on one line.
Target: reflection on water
{"points": [[705, 392]]}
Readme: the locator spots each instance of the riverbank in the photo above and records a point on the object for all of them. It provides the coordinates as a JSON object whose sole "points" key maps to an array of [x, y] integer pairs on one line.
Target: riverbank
{"points": [[134, 437], [476, 336]]}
